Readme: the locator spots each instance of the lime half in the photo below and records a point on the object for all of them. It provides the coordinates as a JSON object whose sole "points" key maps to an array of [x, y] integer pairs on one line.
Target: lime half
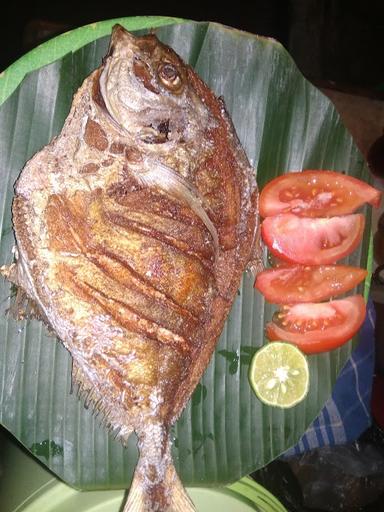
{"points": [[279, 374]]}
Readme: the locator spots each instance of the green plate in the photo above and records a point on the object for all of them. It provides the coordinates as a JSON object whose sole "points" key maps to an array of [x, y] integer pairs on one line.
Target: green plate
{"points": [[243, 496], [284, 123], [26, 486]]}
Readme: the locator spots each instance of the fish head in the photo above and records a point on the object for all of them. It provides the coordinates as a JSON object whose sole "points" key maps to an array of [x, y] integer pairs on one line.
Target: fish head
{"points": [[147, 90]]}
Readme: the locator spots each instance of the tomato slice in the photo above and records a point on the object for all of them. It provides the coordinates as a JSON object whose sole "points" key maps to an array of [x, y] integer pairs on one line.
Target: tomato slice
{"points": [[299, 283], [316, 194], [312, 241], [318, 327]]}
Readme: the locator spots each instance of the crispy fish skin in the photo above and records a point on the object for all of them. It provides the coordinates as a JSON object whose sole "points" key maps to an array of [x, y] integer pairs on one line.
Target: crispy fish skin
{"points": [[133, 228]]}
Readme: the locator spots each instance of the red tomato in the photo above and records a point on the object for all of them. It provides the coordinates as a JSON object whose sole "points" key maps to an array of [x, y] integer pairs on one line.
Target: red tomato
{"points": [[318, 327], [316, 194], [298, 283], [312, 241]]}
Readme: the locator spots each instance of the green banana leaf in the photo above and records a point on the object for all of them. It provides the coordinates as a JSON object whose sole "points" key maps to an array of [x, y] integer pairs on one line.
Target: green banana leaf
{"points": [[284, 123]]}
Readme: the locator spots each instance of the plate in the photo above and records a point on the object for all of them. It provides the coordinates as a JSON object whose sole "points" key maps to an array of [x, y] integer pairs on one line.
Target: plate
{"points": [[284, 123], [243, 496]]}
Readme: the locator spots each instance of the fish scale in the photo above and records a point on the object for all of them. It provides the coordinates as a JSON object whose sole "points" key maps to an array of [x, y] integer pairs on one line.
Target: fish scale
{"points": [[133, 228]]}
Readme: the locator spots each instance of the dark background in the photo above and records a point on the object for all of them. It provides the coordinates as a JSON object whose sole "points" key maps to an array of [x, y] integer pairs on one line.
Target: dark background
{"points": [[335, 41]]}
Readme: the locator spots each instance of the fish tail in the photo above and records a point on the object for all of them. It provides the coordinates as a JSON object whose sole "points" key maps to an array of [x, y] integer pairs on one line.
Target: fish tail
{"points": [[156, 486], [167, 496]]}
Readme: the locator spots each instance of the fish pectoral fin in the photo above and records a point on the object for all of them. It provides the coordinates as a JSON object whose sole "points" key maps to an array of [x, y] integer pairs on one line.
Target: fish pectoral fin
{"points": [[156, 485]]}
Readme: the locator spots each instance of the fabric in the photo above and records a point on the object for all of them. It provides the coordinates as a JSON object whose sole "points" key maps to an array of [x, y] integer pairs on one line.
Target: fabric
{"points": [[347, 414]]}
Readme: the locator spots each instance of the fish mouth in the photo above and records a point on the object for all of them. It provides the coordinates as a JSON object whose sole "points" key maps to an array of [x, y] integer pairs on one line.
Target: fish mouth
{"points": [[120, 36]]}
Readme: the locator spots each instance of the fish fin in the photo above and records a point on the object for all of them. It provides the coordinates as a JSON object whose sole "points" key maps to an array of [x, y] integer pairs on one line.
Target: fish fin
{"points": [[109, 415], [156, 486], [10, 273], [143, 497], [22, 306], [180, 501], [136, 498], [166, 178]]}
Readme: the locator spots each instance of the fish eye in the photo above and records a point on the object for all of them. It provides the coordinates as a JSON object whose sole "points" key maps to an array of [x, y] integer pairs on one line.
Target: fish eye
{"points": [[169, 76]]}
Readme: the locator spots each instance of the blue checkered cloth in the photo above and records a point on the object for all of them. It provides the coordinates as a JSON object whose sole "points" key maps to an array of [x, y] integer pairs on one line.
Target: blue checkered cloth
{"points": [[347, 414]]}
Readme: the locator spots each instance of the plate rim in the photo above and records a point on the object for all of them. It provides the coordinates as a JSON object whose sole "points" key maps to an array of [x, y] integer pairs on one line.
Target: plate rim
{"points": [[70, 41]]}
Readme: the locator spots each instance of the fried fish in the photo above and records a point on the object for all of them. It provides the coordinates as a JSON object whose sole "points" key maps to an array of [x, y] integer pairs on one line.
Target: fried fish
{"points": [[133, 228]]}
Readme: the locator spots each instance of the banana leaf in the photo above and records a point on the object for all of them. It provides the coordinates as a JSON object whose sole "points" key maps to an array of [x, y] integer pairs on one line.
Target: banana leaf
{"points": [[284, 123]]}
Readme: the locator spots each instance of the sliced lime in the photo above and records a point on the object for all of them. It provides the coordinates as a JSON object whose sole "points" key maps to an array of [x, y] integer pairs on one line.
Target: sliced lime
{"points": [[279, 374]]}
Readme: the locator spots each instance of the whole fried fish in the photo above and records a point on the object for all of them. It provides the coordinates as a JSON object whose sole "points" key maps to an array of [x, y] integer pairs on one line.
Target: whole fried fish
{"points": [[133, 228]]}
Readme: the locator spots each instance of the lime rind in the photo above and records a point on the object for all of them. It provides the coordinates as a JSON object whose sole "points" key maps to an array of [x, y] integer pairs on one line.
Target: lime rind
{"points": [[279, 374]]}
